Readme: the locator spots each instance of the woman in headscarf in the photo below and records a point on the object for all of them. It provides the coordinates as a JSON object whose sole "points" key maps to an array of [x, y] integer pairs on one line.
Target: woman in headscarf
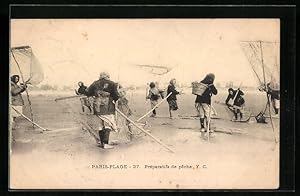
{"points": [[203, 102], [16, 97], [172, 99]]}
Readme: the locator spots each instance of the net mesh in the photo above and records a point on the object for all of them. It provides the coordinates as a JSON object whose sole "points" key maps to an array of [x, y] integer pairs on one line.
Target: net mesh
{"points": [[24, 63], [155, 70], [89, 122], [264, 60]]}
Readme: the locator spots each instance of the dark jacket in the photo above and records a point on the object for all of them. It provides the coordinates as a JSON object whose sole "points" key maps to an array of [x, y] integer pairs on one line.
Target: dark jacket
{"points": [[16, 97], [239, 101], [275, 93], [211, 89], [105, 92], [82, 90], [171, 88], [154, 94]]}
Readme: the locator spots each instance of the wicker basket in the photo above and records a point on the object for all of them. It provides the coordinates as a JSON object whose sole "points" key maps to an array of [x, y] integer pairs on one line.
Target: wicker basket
{"points": [[198, 88]]}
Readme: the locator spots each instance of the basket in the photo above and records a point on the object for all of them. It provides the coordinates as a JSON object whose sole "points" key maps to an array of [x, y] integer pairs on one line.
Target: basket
{"points": [[198, 88]]}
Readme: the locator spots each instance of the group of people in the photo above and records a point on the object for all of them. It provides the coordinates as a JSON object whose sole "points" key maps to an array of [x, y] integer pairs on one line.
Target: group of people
{"points": [[155, 93], [202, 103], [103, 96]]}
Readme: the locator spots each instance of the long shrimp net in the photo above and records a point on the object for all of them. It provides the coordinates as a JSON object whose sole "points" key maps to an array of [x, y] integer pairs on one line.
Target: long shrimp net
{"points": [[89, 122], [264, 60], [24, 63]]}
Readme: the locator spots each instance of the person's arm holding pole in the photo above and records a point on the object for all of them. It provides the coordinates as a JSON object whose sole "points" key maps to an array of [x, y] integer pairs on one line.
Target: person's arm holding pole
{"points": [[154, 107]]}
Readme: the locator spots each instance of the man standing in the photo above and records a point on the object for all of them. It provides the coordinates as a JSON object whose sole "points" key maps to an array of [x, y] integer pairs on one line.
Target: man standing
{"points": [[16, 98], [106, 94]]}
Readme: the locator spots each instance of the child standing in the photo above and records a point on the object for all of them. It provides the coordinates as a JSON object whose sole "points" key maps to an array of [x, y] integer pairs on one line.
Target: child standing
{"points": [[82, 90], [153, 95]]}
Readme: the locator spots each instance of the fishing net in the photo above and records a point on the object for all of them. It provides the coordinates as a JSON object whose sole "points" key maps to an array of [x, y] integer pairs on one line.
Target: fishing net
{"points": [[89, 122], [264, 60], [155, 70], [24, 63]]}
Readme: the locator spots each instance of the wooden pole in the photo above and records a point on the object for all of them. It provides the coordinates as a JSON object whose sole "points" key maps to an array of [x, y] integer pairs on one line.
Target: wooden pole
{"points": [[266, 87], [208, 123], [23, 80], [70, 97], [29, 120], [154, 107], [140, 128]]}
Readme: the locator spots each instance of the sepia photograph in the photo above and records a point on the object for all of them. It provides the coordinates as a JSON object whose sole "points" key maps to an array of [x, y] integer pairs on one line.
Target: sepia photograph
{"points": [[144, 103]]}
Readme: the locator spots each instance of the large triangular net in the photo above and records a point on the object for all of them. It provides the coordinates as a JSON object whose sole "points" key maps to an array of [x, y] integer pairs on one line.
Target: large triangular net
{"points": [[264, 60], [24, 63]]}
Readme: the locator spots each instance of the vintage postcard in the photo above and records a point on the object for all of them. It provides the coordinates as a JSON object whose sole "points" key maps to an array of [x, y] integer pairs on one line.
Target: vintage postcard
{"points": [[144, 103]]}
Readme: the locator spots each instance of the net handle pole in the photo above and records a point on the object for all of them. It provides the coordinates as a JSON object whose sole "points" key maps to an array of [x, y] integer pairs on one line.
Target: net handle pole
{"points": [[268, 99], [42, 128], [140, 128], [164, 99], [69, 97], [27, 94], [208, 123]]}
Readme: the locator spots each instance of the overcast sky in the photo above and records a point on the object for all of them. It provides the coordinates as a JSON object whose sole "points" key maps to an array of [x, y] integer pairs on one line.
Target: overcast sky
{"points": [[79, 49]]}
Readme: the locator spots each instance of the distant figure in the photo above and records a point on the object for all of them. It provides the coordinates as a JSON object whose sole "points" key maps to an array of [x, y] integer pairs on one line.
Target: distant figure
{"points": [[235, 102], [172, 99], [16, 98], [106, 95], [204, 101], [153, 95], [85, 102]]}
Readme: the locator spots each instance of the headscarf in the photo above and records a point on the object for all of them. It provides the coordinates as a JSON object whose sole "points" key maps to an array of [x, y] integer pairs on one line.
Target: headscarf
{"points": [[172, 81], [104, 75], [230, 89], [80, 83], [209, 78], [152, 85], [13, 78]]}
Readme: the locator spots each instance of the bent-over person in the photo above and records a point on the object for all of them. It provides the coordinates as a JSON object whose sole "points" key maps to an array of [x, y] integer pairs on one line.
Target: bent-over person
{"points": [[235, 102]]}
